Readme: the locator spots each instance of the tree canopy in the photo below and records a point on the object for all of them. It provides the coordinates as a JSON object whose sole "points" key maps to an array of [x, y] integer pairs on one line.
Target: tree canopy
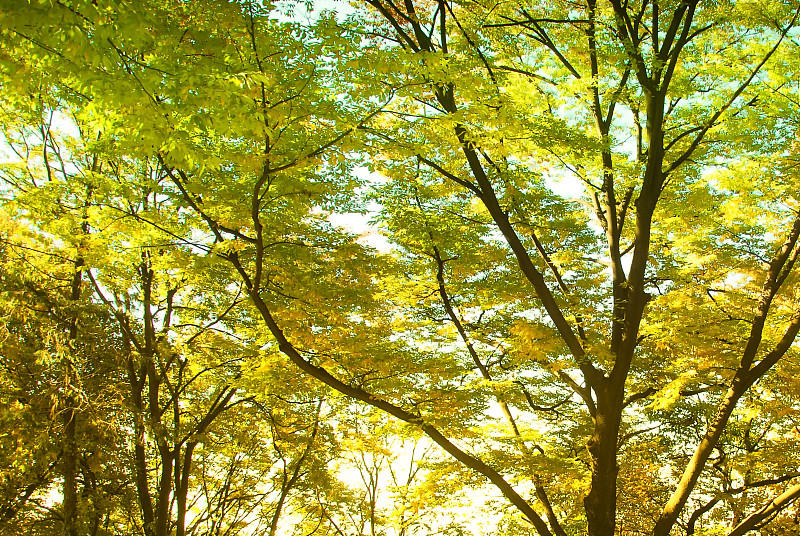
{"points": [[577, 290]]}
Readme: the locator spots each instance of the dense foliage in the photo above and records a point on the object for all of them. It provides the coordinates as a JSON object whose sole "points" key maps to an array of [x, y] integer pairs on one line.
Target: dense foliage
{"points": [[573, 309]]}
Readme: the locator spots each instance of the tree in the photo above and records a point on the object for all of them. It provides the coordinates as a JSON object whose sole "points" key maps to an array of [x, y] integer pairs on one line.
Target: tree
{"points": [[629, 328], [55, 365], [638, 62]]}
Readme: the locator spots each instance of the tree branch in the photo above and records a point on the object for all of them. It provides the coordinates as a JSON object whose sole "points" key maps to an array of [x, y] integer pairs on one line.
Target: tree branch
{"points": [[771, 508]]}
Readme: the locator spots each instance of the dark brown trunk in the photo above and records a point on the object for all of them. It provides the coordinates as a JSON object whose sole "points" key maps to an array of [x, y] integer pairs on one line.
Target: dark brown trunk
{"points": [[69, 416], [163, 502], [182, 489], [70, 485], [601, 501]]}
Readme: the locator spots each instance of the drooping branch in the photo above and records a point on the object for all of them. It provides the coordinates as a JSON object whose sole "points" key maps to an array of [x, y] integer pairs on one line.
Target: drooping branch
{"points": [[461, 182], [357, 393], [540, 34]]}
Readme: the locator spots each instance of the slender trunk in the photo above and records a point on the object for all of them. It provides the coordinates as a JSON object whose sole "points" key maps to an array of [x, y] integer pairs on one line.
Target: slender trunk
{"points": [[140, 468], [90, 487], [285, 489], [164, 502], [70, 410], [182, 489], [290, 484], [69, 415], [70, 484], [600, 502], [136, 385]]}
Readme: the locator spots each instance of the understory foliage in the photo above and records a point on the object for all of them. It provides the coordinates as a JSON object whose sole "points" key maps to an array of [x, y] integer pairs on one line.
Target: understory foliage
{"points": [[399, 268]]}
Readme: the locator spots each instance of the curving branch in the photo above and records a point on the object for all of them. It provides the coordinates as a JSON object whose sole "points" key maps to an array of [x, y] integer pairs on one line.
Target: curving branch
{"points": [[773, 507], [746, 375], [321, 374]]}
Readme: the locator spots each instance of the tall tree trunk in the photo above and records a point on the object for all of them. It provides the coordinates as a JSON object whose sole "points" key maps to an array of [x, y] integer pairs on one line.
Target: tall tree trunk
{"points": [[136, 383], [182, 487], [601, 501], [164, 501], [69, 415], [70, 468]]}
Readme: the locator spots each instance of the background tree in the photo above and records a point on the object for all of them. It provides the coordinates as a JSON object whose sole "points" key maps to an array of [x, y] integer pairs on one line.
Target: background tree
{"points": [[39, 313]]}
